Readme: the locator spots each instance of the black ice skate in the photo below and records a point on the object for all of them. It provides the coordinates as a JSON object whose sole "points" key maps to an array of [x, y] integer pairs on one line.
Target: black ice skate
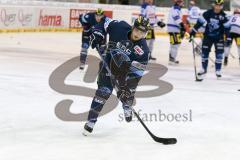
{"points": [[152, 58], [88, 128], [82, 66], [172, 61], [218, 74], [127, 113], [202, 74]]}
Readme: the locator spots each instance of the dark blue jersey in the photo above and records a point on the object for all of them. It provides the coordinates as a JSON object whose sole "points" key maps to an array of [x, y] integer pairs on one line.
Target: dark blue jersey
{"points": [[119, 38], [119, 32], [88, 20], [215, 24]]}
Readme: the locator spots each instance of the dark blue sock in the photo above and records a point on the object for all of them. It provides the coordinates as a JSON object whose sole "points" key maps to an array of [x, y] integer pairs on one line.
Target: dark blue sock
{"points": [[96, 108]]}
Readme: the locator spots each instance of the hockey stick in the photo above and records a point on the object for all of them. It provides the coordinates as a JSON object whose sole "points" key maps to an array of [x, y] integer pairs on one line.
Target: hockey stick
{"points": [[165, 141], [232, 56], [194, 62], [198, 46]]}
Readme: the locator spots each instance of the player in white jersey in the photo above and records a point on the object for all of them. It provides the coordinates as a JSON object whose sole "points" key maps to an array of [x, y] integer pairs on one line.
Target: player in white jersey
{"points": [[194, 13], [176, 30], [148, 10], [234, 24]]}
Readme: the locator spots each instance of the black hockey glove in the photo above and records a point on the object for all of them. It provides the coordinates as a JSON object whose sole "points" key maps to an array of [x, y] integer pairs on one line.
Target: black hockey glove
{"points": [[161, 24], [125, 95], [96, 38]]}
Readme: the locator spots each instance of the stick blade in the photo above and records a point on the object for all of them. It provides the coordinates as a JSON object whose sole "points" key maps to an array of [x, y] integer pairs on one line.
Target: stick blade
{"points": [[198, 80], [165, 141]]}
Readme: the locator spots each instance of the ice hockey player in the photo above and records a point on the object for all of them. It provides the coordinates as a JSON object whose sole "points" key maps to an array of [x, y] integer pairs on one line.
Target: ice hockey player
{"points": [[148, 9], [234, 34], [216, 21], [127, 60], [194, 13], [176, 30], [88, 20]]}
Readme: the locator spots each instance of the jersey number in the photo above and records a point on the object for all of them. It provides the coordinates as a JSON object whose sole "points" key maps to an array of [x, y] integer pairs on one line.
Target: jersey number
{"points": [[234, 19]]}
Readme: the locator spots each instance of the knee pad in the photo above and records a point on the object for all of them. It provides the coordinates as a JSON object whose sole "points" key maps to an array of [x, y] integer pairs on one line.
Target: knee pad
{"points": [[102, 95]]}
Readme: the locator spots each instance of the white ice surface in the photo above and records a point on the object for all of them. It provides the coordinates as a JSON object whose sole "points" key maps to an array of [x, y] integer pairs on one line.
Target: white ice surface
{"points": [[30, 130]]}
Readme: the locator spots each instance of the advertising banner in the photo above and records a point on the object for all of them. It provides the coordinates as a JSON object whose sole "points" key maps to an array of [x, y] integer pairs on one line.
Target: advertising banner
{"points": [[74, 16]]}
